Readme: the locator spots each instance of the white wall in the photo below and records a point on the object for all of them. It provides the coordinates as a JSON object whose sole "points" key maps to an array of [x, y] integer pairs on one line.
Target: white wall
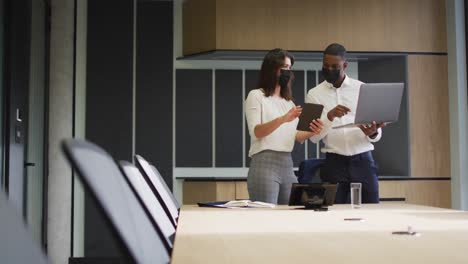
{"points": [[80, 124], [457, 102], [60, 127]]}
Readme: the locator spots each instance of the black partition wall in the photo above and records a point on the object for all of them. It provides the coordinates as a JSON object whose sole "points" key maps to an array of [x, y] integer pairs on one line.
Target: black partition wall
{"points": [[228, 118], [128, 94], [209, 108], [109, 92], [311, 83], [392, 152], [298, 91], [153, 98], [251, 82], [194, 111]]}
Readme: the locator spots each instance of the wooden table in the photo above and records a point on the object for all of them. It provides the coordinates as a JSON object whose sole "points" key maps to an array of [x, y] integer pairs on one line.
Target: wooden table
{"points": [[288, 235]]}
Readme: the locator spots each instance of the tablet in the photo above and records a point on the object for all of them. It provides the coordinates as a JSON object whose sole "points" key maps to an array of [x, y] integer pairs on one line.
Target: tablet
{"points": [[309, 112]]}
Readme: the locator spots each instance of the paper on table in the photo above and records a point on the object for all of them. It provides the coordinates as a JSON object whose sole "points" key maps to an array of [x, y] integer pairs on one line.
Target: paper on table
{"points": [[247, 203]]}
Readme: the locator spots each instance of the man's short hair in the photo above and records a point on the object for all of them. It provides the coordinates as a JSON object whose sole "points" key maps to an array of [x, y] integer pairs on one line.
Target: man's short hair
{"points": [[335, 49]]}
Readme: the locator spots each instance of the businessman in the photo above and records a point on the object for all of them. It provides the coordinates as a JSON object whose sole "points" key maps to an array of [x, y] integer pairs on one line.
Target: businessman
{"points": [[348, 150]]}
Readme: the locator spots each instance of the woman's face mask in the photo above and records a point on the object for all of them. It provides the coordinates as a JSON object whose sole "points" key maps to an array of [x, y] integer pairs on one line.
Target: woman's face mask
{"points": [[284, 77]]}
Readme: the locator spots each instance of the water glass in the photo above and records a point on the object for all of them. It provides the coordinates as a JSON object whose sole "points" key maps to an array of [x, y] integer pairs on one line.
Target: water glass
{"points": [[356, 195]]}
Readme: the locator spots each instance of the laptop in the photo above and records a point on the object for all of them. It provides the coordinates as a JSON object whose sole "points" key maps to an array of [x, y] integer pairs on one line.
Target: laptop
{"points": [[379, 102]]}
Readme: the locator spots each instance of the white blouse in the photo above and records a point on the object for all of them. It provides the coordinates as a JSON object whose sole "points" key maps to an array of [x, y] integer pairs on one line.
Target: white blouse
{"points": [[260, 109]]}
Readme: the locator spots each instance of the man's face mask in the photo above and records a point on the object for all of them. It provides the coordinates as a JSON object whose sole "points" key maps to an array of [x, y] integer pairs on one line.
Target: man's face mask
{"points": [[285, 76], [331, 76]]}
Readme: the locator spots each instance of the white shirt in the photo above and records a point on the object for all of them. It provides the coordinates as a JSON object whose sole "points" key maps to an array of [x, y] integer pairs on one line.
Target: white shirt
{"points": [[343, 141], [260, 109]]}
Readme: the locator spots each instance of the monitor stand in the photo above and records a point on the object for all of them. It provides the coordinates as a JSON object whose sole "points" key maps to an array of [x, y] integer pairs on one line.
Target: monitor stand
{"points": [[313, 202], [315, 207]]}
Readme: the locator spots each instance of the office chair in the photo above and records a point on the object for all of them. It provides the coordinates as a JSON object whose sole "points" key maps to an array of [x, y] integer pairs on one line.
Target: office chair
{"points": [[142, 241], [145, 193], [309, 171], [16, 243], [159, 187], [174, 200]]}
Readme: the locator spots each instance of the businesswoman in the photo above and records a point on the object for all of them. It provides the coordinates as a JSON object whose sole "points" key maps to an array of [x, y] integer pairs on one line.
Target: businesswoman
{"points": [[272, 119]]}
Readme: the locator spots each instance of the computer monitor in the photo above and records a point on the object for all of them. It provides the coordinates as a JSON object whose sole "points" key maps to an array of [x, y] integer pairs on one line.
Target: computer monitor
{"points": [[315, 196]]}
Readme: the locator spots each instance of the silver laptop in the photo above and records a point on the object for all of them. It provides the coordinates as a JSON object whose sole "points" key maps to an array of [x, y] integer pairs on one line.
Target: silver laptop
{"points": [[379, 102]]}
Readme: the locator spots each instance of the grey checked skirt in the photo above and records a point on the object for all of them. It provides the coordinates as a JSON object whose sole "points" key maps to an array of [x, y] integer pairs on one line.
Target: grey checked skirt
{"points": [[270, 177]]}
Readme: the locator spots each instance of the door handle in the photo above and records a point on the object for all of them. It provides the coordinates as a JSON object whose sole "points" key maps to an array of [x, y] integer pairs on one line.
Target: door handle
{"points": [[29, 164], [18, 115]]}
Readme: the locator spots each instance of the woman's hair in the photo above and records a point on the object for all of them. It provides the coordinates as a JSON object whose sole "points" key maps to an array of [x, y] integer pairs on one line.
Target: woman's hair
{"points": [[268, 79]]}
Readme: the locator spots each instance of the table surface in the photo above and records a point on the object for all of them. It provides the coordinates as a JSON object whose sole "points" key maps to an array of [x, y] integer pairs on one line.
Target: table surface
{"points": [[290, 235]]}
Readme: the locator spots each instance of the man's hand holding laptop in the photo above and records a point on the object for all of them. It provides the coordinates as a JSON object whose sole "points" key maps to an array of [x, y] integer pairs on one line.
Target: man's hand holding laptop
{"points": [[369, 130]]}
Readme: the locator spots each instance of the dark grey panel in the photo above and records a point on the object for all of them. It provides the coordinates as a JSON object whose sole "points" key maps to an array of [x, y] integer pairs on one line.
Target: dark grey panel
{"points": [[108, 101], [298, 91], [229, 118], [110, 76], [100, 241], [251, 82], [392, 151], [311, 83], [320, 77], [194, 97], [153, 129], [321, 146]]}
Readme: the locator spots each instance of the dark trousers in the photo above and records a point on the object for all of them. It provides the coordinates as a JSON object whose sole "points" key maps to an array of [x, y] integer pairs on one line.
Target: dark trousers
{"points": [[346, 169]]}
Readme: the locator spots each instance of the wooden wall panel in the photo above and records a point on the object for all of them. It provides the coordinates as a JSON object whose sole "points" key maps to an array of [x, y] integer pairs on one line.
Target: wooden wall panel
{"points": [[429, 116], [392, 189], [225, 191], [199, 26], [208, 191], [423, 192], [247, 25], [241, 190], [432, 193], [198, 191], [361, 25]]}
